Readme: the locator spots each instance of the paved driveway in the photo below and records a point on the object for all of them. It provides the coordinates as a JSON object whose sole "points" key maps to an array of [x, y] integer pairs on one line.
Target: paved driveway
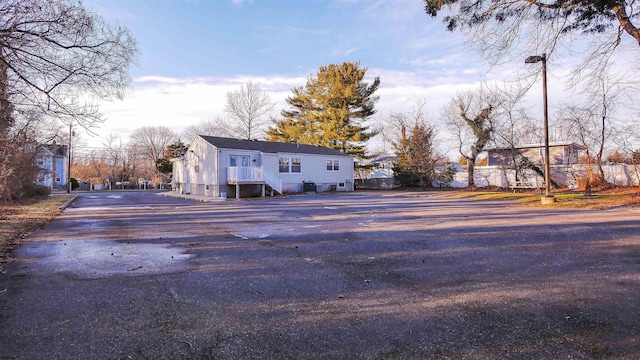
{"points": [[338, 276]]}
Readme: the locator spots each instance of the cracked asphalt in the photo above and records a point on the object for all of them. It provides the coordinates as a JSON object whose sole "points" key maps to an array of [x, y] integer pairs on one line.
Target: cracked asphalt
{"points": [[364, 275]]}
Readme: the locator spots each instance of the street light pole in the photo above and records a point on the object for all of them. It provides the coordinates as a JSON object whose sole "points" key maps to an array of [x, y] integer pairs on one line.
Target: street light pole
{"points": [[548, 198], [69, 162]]}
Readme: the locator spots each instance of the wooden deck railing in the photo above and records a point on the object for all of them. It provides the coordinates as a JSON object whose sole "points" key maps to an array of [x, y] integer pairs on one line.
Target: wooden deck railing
{"points": [[238, 174]]}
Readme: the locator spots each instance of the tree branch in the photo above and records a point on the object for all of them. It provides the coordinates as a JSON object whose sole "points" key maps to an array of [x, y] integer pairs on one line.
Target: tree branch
{"points": [[625, 22]]}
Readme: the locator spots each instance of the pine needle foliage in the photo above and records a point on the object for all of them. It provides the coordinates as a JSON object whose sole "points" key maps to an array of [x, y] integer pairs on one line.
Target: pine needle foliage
{"points": [[330, 110]]}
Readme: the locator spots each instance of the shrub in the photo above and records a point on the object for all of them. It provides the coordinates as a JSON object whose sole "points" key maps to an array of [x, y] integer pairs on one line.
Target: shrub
{"points": [[74, 184], [30, 190]]}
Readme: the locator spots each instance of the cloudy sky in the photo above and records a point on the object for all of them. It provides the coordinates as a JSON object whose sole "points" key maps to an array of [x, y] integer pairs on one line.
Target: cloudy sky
{"points": [[192, 52]]}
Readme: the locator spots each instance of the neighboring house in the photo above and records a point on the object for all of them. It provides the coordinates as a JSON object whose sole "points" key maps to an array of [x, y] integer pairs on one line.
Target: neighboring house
{"points": [[221, 167], [523, 166], [559, 153], [378, 175], [53, 162]]}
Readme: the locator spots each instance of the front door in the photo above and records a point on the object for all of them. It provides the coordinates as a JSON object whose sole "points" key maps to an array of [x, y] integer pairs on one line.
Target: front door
{"points": [[239, 160]]}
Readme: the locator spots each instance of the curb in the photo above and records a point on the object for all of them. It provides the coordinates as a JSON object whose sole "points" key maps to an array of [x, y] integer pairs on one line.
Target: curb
{"points": [[68, 202]]}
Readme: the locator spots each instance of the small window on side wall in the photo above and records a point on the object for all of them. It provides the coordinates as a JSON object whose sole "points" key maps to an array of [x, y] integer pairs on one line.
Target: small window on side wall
{"points": [[333, 165], [283, 165], [296, 165]]}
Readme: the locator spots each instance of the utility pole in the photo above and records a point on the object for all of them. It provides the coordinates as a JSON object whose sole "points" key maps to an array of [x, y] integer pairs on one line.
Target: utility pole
{"points": [[69, 163]]}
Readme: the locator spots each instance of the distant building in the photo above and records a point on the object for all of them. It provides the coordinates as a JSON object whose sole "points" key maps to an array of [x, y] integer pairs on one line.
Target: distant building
{"points": [[559, 153], [52, 160], [378, 174]]}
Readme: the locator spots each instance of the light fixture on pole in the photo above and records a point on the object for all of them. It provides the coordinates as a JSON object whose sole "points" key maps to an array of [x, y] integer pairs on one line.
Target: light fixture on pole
{"points": [[548, 198]]}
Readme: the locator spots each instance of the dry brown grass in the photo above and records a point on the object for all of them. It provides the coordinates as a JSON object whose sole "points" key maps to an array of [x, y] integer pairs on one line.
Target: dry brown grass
{"points": [[605, 198], [20, 219]]}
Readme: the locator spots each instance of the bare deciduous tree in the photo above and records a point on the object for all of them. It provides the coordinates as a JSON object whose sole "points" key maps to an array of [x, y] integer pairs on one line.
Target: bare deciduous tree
{"points": [[91, 167], [19, 147], [508, 29], [248, 107], [114, 154], [151, 141], [56, 56], [470, 116], [593, 122], [218, 126], [513, 126], [17, 162], [56, 60]]}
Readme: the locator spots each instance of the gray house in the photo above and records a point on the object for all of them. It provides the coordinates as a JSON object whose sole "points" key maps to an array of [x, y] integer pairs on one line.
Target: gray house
{"points": [[226, 167], [565, 153]]}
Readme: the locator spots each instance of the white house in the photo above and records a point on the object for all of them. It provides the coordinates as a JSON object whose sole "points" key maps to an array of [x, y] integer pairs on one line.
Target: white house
{"points": [[220, 167], [379, 175], [52, 160]]}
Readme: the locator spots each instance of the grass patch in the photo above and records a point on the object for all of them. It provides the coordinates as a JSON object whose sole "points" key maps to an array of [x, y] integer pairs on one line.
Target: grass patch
{"points": [[20, 219], [598, 201], [493, 195], [605, 199]]}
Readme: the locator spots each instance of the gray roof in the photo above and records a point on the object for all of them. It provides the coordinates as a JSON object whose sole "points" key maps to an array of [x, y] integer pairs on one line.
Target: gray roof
{"points": [[269, 146]]}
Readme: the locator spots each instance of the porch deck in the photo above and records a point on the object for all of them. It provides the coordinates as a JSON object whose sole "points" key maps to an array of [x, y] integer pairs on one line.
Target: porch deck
{"points": [[245, 175], [245, 182]]}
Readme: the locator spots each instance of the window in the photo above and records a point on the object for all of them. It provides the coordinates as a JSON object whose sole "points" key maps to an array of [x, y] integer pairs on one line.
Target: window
{"points": [[333, 165], [239, 160], [40, 161], [283, 165], [295, 165], [289, 165]]}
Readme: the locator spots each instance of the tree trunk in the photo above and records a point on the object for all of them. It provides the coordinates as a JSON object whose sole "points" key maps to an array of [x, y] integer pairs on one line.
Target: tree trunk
{"points": [[601, 150], [6, 108], [625, 23], [471, 168]]}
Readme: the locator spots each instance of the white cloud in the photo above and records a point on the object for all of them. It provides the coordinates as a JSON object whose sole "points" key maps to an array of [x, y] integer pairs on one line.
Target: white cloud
{"points": [[240, 3], [344, 52], [180, 102]]}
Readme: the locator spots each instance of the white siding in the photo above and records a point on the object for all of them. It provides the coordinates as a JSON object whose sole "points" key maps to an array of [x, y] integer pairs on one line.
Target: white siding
{"points": [[177, 176], [224, 158], [212, 163], [314, 169], [195, 170]]}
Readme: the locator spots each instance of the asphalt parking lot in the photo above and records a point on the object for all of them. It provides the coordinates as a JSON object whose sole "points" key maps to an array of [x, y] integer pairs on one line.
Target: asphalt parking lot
{"points": [[364, 275]]}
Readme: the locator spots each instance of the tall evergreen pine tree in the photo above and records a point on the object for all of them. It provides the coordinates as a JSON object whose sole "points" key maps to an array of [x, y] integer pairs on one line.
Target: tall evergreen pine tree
{"points": [[330, 110]]}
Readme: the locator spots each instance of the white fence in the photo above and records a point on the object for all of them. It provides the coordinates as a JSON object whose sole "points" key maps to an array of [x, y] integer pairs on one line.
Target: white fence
{"points": [[567, 175]]}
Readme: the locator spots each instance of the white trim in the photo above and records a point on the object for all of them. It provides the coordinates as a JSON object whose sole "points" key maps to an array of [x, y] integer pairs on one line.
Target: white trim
{"points": [[334, 168], [290, 165]]}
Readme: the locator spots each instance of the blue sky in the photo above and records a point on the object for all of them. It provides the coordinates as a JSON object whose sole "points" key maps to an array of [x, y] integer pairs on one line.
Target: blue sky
{"points": [[192, 52], [224, 38]]}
